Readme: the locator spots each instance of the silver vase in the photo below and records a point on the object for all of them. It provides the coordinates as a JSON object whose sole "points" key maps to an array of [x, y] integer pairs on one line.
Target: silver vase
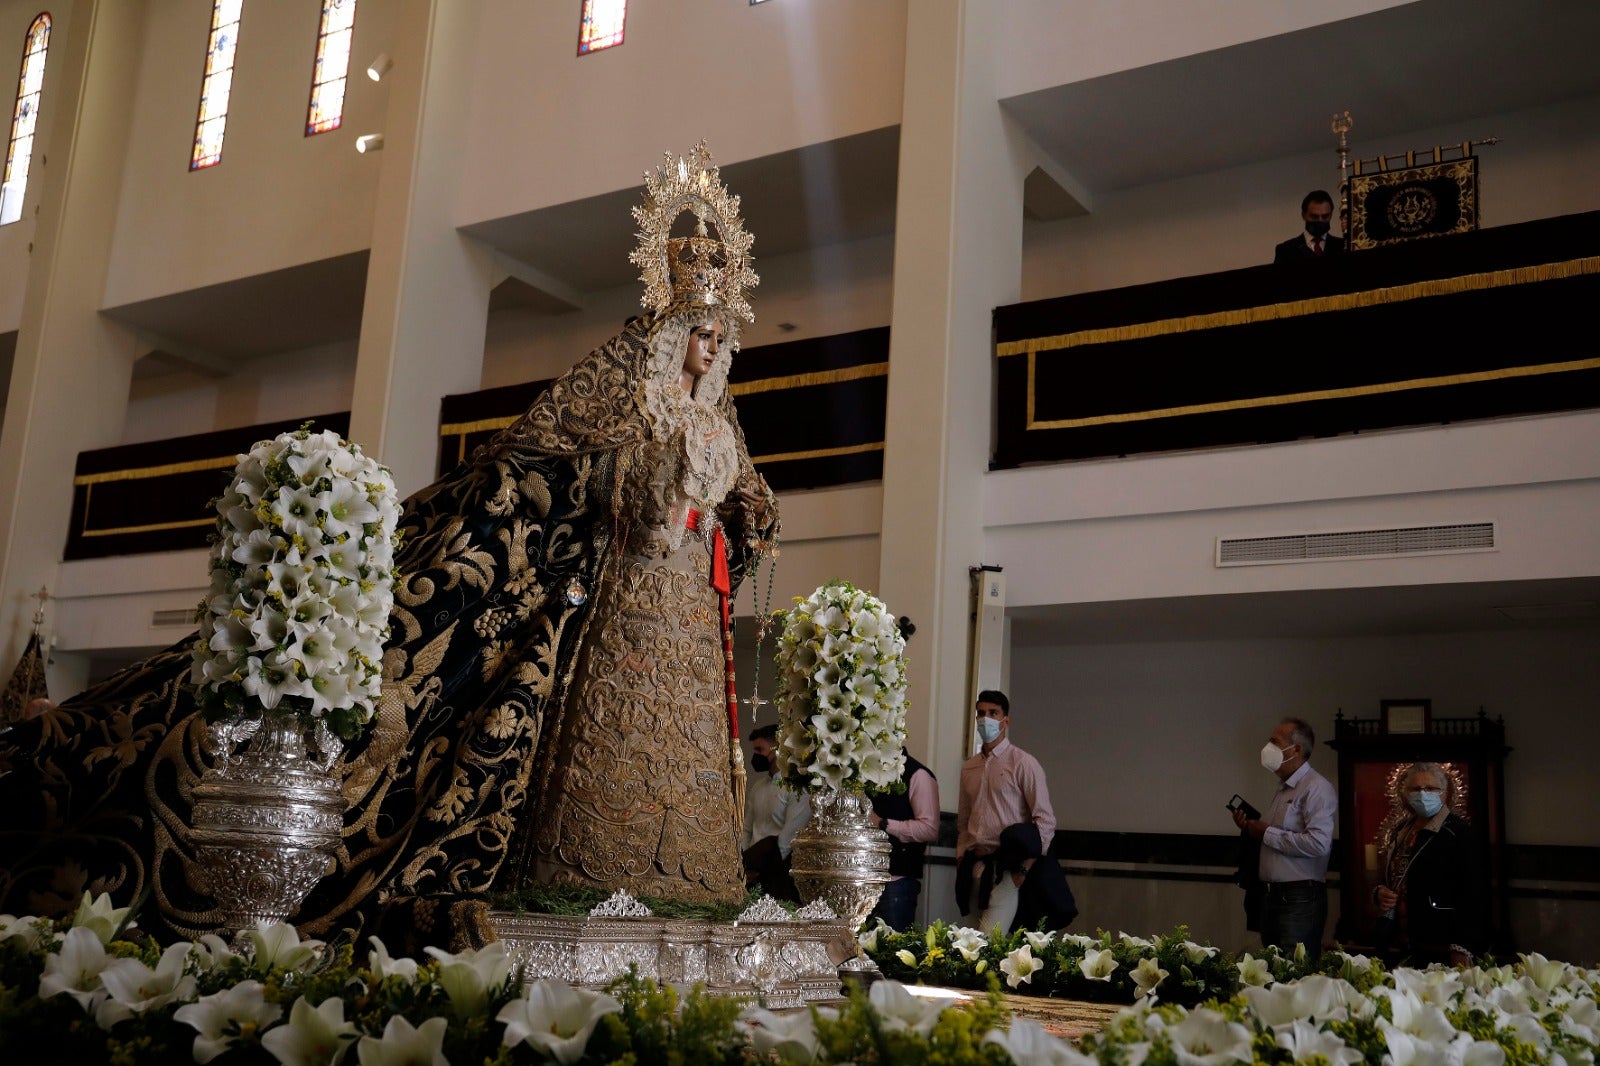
{"points": [[267, 816], [841, 856]]}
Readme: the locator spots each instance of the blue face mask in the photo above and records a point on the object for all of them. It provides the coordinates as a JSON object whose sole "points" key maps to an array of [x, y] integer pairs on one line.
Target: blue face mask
{"points": [[989, 729], [1426, 804]]}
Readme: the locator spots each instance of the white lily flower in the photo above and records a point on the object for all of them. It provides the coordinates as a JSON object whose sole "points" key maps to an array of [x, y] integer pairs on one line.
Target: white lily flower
{"points": [[1206, 1038], [1470, 1052], [75, 969], [1028, 1043], [382, 966], [348, 510], [1253, 971], [1313, 1047], [1408, 1050], [470, 977], [1039, 941], [1197, 953], [1098, 964], [906, 957], [868, 938], [403, 1044], [791, 1037], [1147, 977], [1529, 1030], [1411, 1015], [232, 1016], [134, 988], [313, 1036], [900, 1011], [1438, 987], [29, 930], [1544, 973], [1078, 939], [556, 1018], [1019, 966], [278, 944], [99, 916], [1135, 941], [969, 942]]}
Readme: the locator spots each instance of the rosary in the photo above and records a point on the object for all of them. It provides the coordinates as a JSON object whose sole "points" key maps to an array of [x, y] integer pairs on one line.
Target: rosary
{"points": [[765, 620]]}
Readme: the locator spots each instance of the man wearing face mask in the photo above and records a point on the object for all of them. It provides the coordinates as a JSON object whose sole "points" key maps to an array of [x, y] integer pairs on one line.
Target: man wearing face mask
{"points": [[1296, 839], [1004, 825], [772, 816], [1314, 242]]}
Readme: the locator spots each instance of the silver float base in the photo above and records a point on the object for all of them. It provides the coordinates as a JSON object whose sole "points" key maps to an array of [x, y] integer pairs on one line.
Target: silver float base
{"points": [[783, 964]]}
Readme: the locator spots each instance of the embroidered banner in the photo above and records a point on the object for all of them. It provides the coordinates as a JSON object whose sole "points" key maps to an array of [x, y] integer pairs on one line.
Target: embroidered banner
{"points": [[156, 497], [1414, 203]]}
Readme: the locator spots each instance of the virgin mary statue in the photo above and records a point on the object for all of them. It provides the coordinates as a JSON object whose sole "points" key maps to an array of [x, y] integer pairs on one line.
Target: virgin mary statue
{"points": [[557, 704]]}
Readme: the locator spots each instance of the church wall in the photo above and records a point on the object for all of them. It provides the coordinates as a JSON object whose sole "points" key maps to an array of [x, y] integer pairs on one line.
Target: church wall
{"points": [[1223, 220], [271, 388], [750, 80], [1153, 738], [278, 198], [1147, 527], [1047, 43], [15, 238]]}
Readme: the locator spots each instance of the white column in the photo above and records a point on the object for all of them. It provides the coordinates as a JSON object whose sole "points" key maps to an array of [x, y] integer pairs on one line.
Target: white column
{"points": [[69, 381], [958, 250], [427, 298]]}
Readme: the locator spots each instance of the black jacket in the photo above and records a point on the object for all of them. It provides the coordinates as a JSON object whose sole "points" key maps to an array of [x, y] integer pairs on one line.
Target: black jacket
{"points": [[1044, 894], [1295, 249], [1446, 893]]}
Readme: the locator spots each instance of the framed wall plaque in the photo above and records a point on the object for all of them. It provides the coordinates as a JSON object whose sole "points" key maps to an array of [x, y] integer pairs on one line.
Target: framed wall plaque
{"points": [[1406, 716]]}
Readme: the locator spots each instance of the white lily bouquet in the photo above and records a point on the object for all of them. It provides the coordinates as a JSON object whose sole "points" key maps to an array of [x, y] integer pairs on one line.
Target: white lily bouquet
{"points": [[302, 581], [841, 693]]}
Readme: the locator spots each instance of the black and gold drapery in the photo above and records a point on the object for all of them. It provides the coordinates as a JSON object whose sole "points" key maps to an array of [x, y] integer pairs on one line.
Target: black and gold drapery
{"points": [[1474, 326], [812, 410], [26, 683], [154, 496]]}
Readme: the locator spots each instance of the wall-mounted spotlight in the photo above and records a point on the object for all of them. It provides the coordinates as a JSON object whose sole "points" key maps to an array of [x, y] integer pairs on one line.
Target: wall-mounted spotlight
{"points": [[369, 142], [379, 66]]}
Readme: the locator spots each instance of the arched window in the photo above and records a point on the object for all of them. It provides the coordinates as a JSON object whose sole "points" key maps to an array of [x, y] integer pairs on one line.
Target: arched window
{"points": [[218, 84], [24, 119], [329, 75], [601, 24]]}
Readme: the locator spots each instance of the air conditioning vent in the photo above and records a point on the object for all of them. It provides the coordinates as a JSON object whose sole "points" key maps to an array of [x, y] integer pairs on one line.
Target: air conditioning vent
{"points": [[1356, 544], [176, 616]]}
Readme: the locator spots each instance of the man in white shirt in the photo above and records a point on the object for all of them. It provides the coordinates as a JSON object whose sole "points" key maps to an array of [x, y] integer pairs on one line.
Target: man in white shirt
{"points": [[772, 816], [1296, 840]]}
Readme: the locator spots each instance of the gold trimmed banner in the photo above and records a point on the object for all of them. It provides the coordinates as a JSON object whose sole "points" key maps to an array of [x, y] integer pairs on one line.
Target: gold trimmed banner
{"points": [[818, 453], [225, 462], [1246, 316], [818, 377], [1310, 396]]}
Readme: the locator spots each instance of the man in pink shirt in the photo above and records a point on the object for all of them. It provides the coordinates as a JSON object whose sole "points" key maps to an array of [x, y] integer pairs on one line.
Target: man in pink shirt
{"points": [[1002, 788], [911, 818]]}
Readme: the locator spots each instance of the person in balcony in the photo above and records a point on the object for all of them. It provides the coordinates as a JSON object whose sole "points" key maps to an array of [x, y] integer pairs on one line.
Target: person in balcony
{"points": [[557, 701], [1314, 242]]}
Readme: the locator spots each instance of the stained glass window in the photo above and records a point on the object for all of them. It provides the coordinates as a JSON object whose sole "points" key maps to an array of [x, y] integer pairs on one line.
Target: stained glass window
{"points": [[328, 78], [24, 119], [601, 26], [214, 91]]}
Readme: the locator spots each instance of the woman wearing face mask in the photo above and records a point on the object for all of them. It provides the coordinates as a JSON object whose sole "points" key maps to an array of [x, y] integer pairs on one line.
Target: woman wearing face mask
{"points": [[1433, 872]]}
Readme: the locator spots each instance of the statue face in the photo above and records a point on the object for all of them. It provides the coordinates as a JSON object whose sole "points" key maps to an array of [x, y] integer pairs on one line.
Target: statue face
{"points": [[705, 341]]}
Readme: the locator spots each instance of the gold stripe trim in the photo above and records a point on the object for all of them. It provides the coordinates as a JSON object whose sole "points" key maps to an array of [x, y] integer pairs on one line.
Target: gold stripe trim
{"points": [[744, 388], [816, 377], [1244, 316], [818, 453], [1320, 394], [136, 473], [450, 429], [151, 528]]}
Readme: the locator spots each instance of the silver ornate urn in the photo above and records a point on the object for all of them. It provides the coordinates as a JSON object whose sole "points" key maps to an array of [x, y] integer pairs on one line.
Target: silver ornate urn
{"points": [[267, 816], [841, 856]]}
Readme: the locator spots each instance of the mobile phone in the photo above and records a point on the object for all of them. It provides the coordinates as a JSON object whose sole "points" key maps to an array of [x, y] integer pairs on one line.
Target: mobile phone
{"points": [[1236, 803]]}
